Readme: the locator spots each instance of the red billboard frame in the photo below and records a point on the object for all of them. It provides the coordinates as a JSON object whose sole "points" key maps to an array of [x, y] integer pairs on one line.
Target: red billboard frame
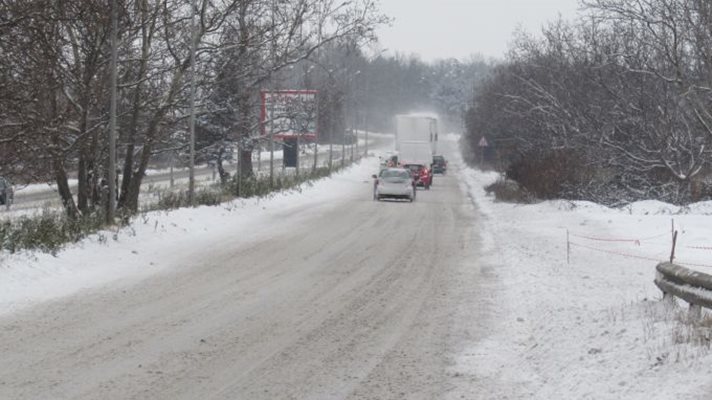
{"points": [[310, 135]]}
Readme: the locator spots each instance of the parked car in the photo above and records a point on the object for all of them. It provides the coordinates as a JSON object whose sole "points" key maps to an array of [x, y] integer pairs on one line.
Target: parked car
{"points": [[422, 175], [394, 183], [439, 165], [7, 193]]}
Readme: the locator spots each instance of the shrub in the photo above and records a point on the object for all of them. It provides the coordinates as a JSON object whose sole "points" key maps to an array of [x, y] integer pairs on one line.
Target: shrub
{"points": [[509, 191], [203, 197], [47, 232], [555, 174], [259, 186], [51, 230]]}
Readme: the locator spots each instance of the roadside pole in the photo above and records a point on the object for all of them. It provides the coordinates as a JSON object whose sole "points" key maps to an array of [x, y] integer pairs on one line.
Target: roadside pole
{"points": [[271, 104], [482, 144], [111, 211], [193, 45]]}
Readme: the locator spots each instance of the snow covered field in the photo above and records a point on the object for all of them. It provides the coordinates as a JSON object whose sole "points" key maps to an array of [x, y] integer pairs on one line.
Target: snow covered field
{"points": [[593, 328]]}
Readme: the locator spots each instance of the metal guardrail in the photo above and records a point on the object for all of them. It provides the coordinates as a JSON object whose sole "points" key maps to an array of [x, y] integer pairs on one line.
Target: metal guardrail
{"points": [[691, 286]]}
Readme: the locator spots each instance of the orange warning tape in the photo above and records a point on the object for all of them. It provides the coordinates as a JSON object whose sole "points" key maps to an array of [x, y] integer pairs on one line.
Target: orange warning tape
{"points": [[618, 253], [636, 241], [615, 252]]}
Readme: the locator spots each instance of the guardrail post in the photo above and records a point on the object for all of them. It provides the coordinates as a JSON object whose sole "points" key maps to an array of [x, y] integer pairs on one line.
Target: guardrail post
{"points": [[674, 242], [695, 312], [668, 299]]}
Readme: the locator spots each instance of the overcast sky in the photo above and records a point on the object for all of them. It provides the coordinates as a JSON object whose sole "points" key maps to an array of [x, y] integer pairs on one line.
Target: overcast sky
{"points": [[460, 28]]}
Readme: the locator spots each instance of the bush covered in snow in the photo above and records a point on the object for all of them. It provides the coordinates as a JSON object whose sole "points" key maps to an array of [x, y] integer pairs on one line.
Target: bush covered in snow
{"points": [[603, 108]]}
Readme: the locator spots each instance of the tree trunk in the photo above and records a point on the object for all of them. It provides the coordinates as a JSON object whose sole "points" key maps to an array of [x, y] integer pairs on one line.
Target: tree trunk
{"points": [[224, 175], [83, 175], [60, 178], [83, 188], [130, 148], [246, 169], [146, 39], [134, 187]]}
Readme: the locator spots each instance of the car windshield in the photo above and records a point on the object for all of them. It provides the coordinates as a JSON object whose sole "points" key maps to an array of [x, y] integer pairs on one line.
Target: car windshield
{"points": [[395, 174], [438, 159]]}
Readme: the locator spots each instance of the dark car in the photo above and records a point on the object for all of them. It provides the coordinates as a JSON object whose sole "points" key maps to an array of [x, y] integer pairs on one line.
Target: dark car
{"points": [[439, 165], [6, 192]]}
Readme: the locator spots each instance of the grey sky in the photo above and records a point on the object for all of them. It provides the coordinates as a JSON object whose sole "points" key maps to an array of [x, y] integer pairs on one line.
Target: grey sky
{"points": [[460, 28]]}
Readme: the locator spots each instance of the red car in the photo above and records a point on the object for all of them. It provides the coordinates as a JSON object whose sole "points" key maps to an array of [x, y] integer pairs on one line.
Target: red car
{"points": [[422, 175]]}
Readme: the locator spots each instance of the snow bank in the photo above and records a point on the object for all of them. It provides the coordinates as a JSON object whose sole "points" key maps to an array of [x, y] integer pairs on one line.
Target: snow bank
{"points": [[159, 241], [591, 328]]}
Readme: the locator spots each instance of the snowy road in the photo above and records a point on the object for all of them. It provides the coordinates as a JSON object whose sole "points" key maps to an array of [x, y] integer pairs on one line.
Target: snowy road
{"points": [[48, 196], [360, 300]]}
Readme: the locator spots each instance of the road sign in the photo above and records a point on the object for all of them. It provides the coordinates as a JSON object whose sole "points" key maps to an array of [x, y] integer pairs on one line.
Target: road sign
{"points": [[483, 142], [290, 113]]}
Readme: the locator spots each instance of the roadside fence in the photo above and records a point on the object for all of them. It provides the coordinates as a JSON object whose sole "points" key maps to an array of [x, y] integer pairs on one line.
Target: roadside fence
{"points": [[657, 247], [673, 277]]}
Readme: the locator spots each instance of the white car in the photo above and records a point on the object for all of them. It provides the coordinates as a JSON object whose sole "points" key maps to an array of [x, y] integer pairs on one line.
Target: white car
{"points": [[394, 183]]}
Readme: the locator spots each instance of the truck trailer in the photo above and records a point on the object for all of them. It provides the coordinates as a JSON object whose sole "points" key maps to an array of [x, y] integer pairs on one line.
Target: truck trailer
{"points": [[411, 128]]}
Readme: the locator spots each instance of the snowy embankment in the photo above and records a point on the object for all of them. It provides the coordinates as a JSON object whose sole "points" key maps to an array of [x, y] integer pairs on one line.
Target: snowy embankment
{"points": [[158, 241], [593, 327]]}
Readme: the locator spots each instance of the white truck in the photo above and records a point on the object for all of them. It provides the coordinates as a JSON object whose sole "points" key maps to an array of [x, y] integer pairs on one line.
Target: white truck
{"points": [[415, 153], [412, 128], [416, 143]]}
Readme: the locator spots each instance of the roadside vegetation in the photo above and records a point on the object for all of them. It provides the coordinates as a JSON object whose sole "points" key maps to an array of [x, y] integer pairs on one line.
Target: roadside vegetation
{"points": [[612, 108], [51, 230], [54, 111]]}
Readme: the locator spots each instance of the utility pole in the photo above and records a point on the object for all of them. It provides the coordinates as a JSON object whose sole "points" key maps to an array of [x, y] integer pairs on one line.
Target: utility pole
{"points": [[193, 45], [270, 116], [297, 142], [316, 136], [316, 98], [354, 123], [343, 148], [112, 114], [238, 172], [355, 130]]}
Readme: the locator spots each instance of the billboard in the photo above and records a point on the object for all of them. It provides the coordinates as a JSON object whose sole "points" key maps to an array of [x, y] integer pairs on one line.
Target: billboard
{"points": [[289, 113]]}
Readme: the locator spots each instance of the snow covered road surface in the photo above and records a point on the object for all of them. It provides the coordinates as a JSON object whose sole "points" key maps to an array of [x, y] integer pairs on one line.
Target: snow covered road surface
{"points": [[332, 296]]}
